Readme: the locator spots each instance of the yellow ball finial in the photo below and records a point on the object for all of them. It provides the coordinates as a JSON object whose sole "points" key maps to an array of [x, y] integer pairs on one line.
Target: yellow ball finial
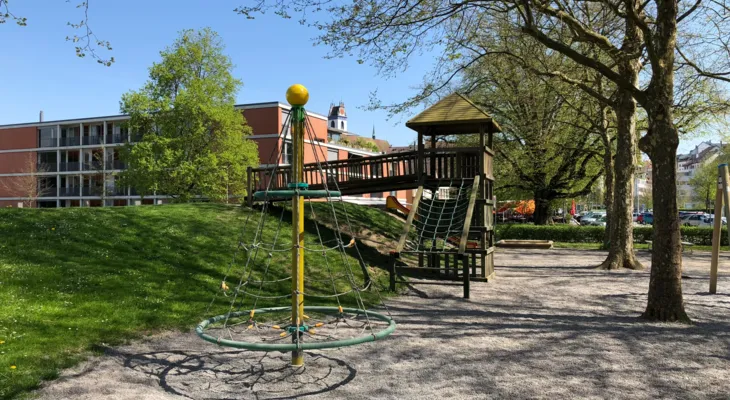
{"points": [[297, 95]]}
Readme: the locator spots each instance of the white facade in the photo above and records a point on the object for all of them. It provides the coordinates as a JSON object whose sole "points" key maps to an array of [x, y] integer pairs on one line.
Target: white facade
{"points": [[687, 167]]}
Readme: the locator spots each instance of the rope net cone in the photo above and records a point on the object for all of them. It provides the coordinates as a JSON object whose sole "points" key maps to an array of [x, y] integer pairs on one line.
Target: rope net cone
{"points": [[296, 287]]}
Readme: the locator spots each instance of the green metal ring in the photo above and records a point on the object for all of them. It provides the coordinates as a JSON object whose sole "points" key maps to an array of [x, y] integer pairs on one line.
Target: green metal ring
{"points": [[200, 330], [287, 194], [299, 185]]}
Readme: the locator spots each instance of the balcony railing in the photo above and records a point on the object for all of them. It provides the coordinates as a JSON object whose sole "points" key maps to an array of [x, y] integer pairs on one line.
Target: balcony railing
{"points": [[117, 138], [116, 191], [49, 191], [69, 166], [90, 140], [93, 166], [70, 141], [68, 191], [92, 191], [115, 164], [48, 142], [46, 167]]}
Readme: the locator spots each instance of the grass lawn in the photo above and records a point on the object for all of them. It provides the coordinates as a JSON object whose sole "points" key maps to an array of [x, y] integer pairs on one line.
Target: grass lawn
{"points": [[74, 278]]}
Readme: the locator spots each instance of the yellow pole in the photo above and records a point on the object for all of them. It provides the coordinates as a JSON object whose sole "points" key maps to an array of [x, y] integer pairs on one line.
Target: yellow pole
{"points": [[297, 96]]}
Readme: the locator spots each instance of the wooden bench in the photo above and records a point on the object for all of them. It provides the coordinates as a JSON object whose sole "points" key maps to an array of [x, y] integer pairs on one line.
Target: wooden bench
{"points": [[685, 245]]}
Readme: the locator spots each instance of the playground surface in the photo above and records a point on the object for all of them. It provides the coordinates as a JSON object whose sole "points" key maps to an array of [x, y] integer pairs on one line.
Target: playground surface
{"points": [[550, 326]]}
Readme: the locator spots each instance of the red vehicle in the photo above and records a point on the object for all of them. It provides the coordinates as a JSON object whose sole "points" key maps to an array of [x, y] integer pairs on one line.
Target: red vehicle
{"points": [[640, 218]]}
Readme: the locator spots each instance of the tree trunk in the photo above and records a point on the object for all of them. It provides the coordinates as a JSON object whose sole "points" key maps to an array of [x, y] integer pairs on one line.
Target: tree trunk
{"points": [[608, 176], [621, 250], [542, 211], [665, 302]]}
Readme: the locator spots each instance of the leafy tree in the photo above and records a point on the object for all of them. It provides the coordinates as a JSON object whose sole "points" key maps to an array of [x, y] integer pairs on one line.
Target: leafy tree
{"points": [[193, 142], [548, 148]]}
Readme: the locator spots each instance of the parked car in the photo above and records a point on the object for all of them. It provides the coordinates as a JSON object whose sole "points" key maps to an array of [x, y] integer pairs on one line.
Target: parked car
{"points": [[636, 216], [590, 218], [640, 218], [709, 221], [599, 222], [647, 218], [692, 219]]}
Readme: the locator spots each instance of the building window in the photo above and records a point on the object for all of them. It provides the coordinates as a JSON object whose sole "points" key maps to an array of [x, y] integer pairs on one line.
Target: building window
{"points": [[286, 155], [335, 137], [47, 137], [332, 124], [333, 154], [342, 125]]}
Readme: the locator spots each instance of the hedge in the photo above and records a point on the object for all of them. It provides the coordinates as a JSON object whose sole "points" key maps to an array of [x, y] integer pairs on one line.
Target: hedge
{"points": [[594, 234]]}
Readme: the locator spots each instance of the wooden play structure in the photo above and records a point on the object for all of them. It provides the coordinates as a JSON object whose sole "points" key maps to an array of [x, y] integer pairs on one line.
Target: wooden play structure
{"points": [[449, 233], [722, 197]]}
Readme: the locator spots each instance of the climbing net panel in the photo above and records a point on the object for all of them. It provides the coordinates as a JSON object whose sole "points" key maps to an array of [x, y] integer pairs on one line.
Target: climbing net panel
{"points": [[437, 241], [270, 301], [441, 216]]}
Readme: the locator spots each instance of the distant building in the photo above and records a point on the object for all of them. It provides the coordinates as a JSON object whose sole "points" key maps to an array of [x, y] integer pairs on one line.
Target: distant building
{"points": [[642, 186], [76, 162], [688, 165]]}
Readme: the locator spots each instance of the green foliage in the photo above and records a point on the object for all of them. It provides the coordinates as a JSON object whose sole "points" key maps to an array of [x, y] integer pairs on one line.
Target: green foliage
{"points": [[77, 278], [549, 147], [193, 142], [594, 234]]}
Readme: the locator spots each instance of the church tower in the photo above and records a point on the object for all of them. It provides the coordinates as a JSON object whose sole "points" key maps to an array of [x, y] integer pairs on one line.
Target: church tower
{"points": [[337, 117]]}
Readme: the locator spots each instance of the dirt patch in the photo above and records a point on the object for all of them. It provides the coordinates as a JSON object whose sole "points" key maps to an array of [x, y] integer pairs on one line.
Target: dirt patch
{"points": [[550, 326]]}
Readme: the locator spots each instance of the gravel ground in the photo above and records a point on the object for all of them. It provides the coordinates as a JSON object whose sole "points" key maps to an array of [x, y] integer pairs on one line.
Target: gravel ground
{"points": [[548, 327]]}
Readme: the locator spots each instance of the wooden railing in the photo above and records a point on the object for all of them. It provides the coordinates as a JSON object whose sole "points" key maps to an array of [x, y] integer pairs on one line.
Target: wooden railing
{"points": [[345, 173], [382, 173]]}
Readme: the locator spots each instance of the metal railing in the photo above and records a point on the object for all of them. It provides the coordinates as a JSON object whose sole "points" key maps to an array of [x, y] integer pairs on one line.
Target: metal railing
{"points": [[68, 191], [89, 140], [117, 138], [115, 164], [46, 167], [93, 166], [48, 142], [69, 166], [116, 191], [70, 141]]}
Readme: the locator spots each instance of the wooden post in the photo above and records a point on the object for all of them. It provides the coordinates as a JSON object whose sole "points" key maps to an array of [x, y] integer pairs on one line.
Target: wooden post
{"points": [[469, 215], [722, 196], [421, 164], [465, 274], [249, 172]]}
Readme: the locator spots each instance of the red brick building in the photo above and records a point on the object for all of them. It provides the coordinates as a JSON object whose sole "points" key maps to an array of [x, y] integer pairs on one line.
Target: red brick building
{"points": [[72, 163]]}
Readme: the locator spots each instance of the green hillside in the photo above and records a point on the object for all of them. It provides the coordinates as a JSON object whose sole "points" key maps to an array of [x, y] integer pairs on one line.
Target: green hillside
{"points": [[73, 278]]}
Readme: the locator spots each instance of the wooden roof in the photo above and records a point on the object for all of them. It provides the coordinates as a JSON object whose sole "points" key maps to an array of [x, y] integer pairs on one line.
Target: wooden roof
{"points": [[452, 115]]}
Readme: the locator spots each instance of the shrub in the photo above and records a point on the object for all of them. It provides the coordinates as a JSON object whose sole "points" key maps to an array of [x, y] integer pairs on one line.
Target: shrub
{"points": [[594, 234]]}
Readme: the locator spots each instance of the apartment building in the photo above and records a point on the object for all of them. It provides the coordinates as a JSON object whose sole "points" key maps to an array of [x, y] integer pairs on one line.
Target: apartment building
{"points": [[76, 162], [688, 165]]}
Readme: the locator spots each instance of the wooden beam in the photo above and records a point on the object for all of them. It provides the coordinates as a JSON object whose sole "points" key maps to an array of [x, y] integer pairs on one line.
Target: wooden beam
{"points": [[409, 220], [469, 215]]}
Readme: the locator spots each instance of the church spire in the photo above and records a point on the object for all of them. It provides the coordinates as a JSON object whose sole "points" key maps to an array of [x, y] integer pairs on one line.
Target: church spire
{"points": [[373, 131]]}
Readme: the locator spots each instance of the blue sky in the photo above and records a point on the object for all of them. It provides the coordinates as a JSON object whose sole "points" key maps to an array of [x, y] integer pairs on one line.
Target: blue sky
{"points": [[39, 70]]}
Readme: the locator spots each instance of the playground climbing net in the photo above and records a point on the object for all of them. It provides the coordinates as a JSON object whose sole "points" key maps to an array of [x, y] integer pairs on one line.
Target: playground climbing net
{"points": [[270, 301], [440, 218]]}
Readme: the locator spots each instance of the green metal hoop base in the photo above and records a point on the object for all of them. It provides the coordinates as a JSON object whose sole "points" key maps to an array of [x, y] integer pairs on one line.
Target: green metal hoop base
{"points": [[288, 194], [200, 330]]}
